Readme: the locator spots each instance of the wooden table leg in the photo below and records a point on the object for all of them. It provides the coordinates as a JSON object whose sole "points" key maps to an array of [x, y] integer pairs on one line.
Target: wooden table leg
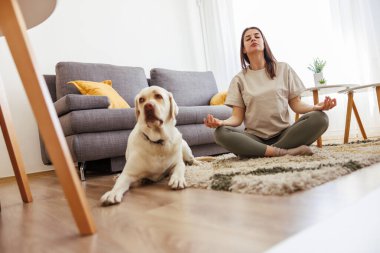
{"points": [[13, 148], [378, 96], [13, 27], [350, 104], [316, 101], [356, 113]]}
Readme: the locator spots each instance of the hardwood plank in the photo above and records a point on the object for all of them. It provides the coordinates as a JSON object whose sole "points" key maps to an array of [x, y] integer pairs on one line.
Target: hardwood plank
{"points": [[154, 218]]}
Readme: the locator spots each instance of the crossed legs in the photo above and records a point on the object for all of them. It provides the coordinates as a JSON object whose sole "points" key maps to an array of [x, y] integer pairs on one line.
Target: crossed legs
{"points": [[292, 140]]}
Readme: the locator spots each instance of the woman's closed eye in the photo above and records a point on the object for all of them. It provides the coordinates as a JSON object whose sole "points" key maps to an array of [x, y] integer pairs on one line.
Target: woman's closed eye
{"points": [[249, 38]]}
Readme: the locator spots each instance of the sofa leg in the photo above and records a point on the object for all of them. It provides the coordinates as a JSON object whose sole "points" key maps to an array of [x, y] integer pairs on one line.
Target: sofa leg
{"points": [[82, 170]]}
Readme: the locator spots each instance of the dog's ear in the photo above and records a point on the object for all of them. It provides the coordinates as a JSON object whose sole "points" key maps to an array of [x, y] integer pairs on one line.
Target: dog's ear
{"points": [[137, 111], [173, 107]]}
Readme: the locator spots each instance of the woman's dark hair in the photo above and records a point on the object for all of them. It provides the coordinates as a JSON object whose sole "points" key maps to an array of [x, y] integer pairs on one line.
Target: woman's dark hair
{"points": [[270, 61]]}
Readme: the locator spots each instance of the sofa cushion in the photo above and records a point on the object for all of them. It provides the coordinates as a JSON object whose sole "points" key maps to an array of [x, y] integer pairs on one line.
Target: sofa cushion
{"points": [[195, 114], [189, 88], [197, 134], [97, 120], [101, 120], [127, 81], [114, 144], [96, 146]]}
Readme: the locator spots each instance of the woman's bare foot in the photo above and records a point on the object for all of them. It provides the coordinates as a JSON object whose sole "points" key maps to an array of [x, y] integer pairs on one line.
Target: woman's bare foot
{"points": [[301, 150]]}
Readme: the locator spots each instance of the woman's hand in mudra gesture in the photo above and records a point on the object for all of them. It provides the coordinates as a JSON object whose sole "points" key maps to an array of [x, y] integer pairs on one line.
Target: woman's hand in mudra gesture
{"points": [[325, 105], [212, 122]]}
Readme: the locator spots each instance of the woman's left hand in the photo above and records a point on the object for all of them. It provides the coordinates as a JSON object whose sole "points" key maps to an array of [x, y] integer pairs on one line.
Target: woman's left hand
{"points": [[325, 105]]}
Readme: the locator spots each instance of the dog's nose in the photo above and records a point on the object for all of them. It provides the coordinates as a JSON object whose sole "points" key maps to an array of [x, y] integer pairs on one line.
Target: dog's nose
{"points": [[148, 106]]}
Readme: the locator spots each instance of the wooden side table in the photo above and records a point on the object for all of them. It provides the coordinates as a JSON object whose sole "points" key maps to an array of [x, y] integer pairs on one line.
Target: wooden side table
{"points": [[316, 91], [352, 107]]}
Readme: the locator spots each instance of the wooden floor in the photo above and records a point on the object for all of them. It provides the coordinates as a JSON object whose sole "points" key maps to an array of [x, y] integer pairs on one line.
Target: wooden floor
{"points": [[156, 219]]}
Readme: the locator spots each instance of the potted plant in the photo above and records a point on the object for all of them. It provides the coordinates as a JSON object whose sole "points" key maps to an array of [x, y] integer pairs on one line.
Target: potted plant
{"points": [[322, 81], [317, 67]]}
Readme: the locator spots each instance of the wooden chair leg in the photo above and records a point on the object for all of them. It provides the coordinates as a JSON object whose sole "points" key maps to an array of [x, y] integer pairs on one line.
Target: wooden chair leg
{"points": [[359, 120], [13, 148], [13, 27], [316, 101], [350, 103]]}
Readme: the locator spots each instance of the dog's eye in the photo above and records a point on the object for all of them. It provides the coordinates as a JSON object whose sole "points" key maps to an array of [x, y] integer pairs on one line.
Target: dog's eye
{"points": [[141, 100], [157, 96]]}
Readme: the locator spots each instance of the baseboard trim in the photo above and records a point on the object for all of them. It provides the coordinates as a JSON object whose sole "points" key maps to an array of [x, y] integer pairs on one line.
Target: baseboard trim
{"points": [[373, 132], [30, 175]]}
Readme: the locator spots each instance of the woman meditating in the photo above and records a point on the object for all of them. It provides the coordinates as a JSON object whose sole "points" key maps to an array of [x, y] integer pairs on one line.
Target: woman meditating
{"points": [[259, 95]]}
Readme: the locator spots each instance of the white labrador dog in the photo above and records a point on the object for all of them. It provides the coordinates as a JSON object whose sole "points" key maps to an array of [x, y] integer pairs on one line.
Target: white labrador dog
{"points": [[155, 146]]}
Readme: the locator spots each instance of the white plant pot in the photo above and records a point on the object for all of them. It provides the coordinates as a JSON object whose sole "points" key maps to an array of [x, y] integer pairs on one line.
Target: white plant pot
{"points": [[317, 78]]}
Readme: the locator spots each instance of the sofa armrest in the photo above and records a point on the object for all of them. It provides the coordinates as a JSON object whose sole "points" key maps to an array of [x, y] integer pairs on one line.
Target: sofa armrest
{"points": [[74, 102]]}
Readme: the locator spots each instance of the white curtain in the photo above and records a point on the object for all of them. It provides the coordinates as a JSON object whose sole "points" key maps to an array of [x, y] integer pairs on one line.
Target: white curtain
{"points": [[222, 56], [357, 24]]}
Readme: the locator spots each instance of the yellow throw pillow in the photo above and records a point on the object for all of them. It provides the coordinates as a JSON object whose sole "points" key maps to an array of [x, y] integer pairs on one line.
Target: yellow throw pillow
{"points": [[103, 88], [219, 98]]}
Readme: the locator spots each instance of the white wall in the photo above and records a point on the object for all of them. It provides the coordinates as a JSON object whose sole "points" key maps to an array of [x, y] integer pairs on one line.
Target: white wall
{"points": [[144, 33]]}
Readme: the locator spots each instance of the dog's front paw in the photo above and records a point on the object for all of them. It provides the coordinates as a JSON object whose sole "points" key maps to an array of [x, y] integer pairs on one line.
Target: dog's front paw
{"points": [[111, 197], [177, 182]]}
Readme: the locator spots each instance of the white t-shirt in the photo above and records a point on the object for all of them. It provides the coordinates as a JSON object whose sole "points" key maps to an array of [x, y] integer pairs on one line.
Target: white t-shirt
{"points": [[265, 100]]}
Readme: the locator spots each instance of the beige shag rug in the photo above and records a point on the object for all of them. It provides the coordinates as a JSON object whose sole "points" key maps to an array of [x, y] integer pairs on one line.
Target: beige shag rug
{"points": [[283, 175]]}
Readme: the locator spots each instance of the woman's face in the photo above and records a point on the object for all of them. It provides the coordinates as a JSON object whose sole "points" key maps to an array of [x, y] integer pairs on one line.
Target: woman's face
{"points": [[253, 41]]}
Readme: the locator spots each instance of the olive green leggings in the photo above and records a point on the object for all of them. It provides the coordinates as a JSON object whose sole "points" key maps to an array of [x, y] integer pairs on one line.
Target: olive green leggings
{"points": [[303, 132]]}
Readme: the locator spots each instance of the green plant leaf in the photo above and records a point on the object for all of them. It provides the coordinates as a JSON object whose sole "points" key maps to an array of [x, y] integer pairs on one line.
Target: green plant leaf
{"points": [[322, 81], [317, 65]]}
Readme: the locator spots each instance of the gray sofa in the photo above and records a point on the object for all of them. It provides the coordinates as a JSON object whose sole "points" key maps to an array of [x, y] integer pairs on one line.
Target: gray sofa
{"points": [[97, 136]]}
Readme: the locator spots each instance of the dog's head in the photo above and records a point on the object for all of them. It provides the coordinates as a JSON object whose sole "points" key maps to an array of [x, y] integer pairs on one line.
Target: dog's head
{"points": [[155, 106]]}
